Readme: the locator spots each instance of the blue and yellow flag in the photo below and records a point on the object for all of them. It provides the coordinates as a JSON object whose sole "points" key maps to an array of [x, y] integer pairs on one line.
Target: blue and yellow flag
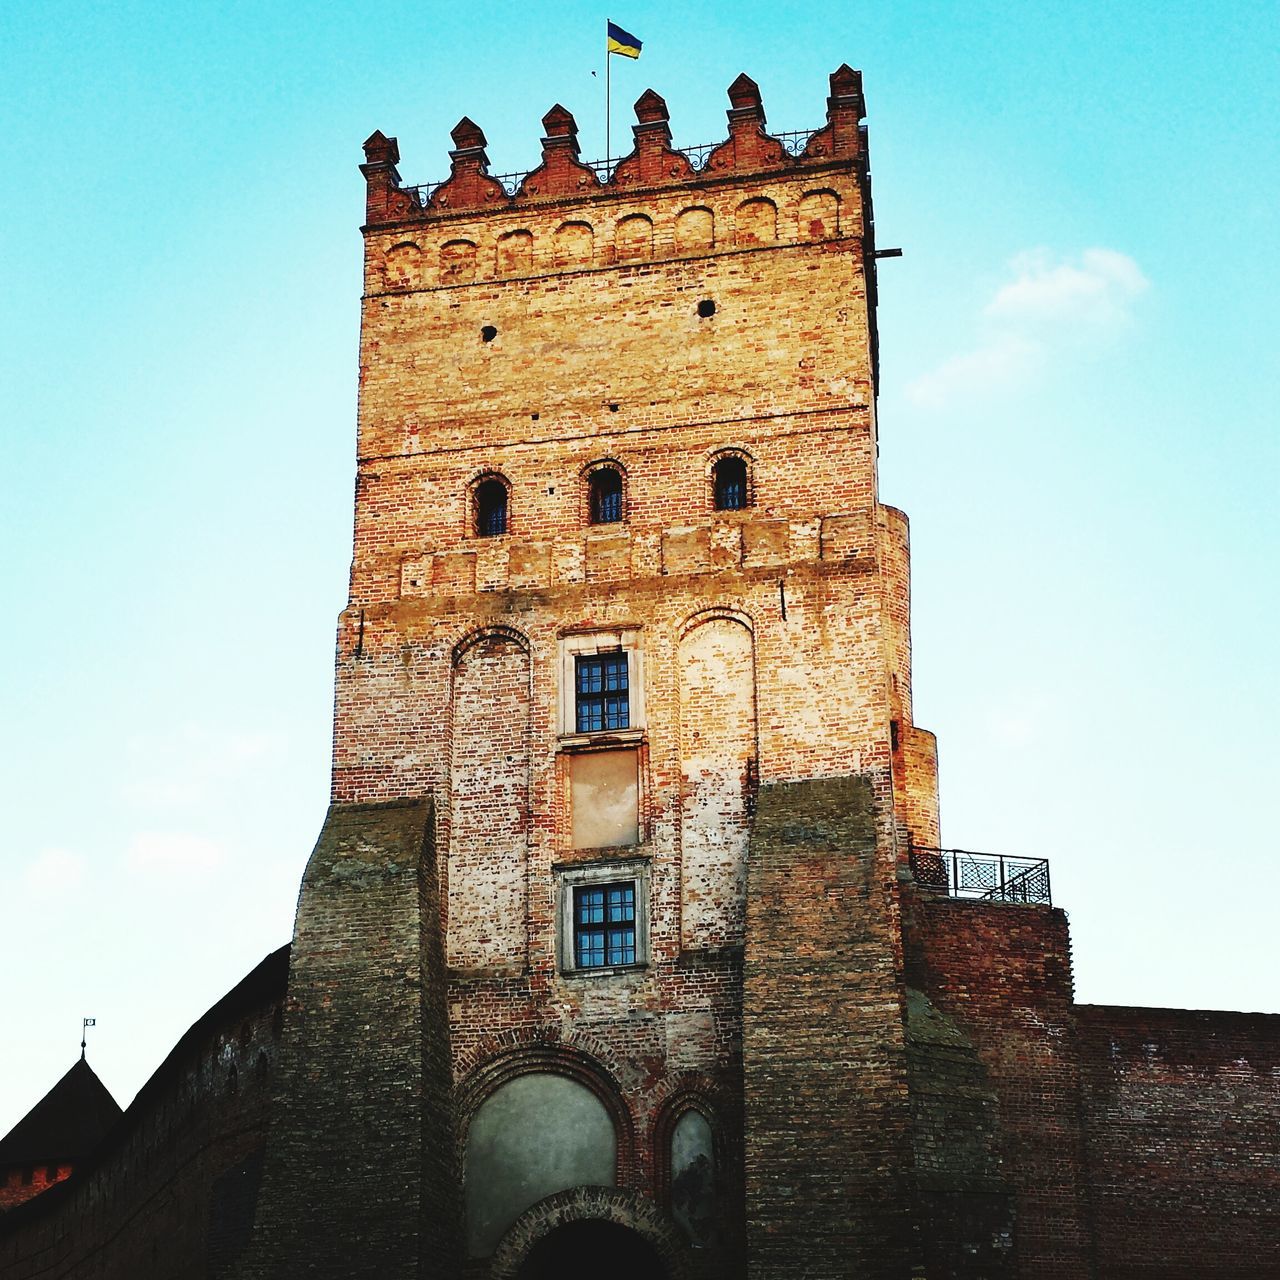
{"points": [[622, 42]]}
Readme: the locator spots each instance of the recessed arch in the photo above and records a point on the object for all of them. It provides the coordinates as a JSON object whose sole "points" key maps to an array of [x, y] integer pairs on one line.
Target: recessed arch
{"points": [[402, 265], [819, 215], [480, 634], [515, 253], [536, 1134], [458, 261], [755, 222], [574, 244], [489, 505], [633, 237], [615, 1205], [731, 477], [695, 229], [604, 491]]}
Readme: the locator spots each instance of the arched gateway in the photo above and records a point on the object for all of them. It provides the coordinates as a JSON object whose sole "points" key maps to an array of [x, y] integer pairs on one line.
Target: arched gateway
{"points": [[584, 1248], [588, 1231]]}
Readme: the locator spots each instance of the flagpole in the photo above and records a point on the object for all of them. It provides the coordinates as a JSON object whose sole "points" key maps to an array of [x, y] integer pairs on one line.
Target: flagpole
{"points": [[608, 99]]}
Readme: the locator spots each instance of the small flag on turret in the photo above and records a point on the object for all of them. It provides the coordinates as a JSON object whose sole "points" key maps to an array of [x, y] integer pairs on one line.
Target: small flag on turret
{"points": [[622, 42]]}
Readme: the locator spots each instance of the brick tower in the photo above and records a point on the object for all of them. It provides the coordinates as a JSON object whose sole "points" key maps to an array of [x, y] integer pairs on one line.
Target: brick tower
{"points": [[599, 951]]}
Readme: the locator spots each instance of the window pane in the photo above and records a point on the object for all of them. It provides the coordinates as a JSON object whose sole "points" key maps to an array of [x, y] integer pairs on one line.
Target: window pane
{"points": [[603, 698], [606, 496], [595, 944], [731, 484], [622, 946], [491, 508]]}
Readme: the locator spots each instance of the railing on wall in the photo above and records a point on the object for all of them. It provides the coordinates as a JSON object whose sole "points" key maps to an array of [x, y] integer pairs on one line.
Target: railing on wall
{"points": [[991, 877], [793, 142]]}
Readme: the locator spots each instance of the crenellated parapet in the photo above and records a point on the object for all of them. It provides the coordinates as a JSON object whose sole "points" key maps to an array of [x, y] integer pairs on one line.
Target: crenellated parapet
{"points": [[652, 163]]}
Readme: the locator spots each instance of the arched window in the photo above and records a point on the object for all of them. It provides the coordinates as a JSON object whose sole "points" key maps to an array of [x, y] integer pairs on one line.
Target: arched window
{"points": [[605, 495], [729, 477], [490, 507], [693, 1177]]}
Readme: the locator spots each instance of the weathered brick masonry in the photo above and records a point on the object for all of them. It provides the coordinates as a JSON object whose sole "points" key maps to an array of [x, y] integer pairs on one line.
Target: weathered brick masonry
{"points": [[620, 427]]}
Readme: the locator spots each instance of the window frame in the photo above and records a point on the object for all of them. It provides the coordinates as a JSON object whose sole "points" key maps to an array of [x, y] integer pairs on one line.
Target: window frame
{"points": [[610, 702], [490, 480], [721, 457], [615, 929], [625, 640], [590, 478], [599, 875], [479, 479]]}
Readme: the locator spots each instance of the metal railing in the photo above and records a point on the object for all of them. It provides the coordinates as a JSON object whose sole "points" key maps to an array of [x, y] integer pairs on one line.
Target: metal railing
{"points": [[793, 143], [990, 877]]}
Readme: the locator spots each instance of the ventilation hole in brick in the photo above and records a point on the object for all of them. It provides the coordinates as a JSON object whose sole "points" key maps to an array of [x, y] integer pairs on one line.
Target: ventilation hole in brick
{"points": [[613, 408], [488, 333], [535, 416], [706, 308]]}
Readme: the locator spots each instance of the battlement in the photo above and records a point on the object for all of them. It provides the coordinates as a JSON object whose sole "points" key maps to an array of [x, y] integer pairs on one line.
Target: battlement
{"points": [[652, 163]]}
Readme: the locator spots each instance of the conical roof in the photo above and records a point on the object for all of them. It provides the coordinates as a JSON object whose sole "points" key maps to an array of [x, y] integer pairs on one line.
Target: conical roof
{"points": [[65, 1125]]}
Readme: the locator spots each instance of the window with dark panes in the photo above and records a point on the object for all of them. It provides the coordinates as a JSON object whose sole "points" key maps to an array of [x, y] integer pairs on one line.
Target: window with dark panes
{"points": [[602, 695], [731, 484], [604, 925], [491, 508], [606, 496]]}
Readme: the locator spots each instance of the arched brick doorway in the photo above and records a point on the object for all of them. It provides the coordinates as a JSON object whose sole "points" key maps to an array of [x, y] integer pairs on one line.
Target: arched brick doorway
{"points": [[591, 1231], [589, 1248]]}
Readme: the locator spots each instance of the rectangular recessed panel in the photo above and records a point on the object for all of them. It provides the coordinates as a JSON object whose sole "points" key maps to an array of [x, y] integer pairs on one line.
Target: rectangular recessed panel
{"points": [[604, 798]]}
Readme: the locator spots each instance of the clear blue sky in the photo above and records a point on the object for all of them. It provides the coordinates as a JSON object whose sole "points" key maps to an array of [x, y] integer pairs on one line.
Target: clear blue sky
{"points": [[1078, 412]]}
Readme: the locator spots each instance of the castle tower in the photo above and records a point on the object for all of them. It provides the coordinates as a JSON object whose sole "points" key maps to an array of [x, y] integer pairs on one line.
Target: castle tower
{"points": [[599, 948]]}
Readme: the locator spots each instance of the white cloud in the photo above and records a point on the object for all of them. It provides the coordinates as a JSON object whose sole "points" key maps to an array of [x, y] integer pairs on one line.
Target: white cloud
{"points": [[1095, 292], [55, 871], [1007, 360], [1048, 307], [172, 853]]}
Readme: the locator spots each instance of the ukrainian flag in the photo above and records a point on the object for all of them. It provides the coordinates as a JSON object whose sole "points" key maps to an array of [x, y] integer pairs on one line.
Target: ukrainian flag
{"points": [[622, 42]]}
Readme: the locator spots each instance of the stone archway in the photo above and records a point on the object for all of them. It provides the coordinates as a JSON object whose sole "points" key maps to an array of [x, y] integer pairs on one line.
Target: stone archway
{"points": [[588, 1247], [559, 1228]]}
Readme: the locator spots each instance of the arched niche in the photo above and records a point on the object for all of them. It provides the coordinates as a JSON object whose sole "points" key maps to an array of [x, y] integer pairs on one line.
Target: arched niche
{"points": [[695, 230], [487, 868], [633, 237], [533, 1136], [693, 1177], [574, 244], [457, 261], [716, 663], [755, 222], [515, 253], [402, 267], [819, 215]]}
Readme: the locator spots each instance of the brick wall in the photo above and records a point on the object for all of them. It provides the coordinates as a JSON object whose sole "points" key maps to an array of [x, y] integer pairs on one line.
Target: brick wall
{"points": [[1182, 1117], [360, 1177], [1002, 973], [964, 1205], [828, 1162]]}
